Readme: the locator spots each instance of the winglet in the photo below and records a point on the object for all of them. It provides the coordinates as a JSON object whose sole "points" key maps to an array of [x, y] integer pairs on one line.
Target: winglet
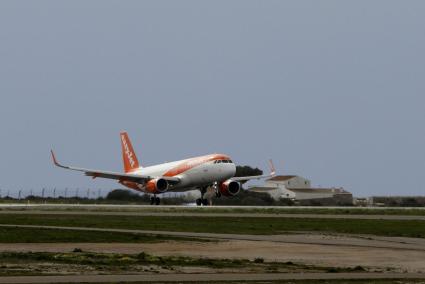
{"points": [[54, 158], [55, 162], [272, 168]]}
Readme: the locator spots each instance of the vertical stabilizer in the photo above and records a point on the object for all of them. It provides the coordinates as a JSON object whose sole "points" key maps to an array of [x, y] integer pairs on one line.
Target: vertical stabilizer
{"points": [[128, 156]]}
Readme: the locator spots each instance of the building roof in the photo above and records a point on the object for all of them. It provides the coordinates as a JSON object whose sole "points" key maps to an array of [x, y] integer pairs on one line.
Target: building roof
{"points": [[281, 178], [320, 190]]}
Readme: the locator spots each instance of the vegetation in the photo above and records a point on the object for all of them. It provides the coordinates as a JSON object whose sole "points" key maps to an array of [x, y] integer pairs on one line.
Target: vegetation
{"points": [[242, 225], [115, 259], [243, 171], [134, 262], [400, 201]]}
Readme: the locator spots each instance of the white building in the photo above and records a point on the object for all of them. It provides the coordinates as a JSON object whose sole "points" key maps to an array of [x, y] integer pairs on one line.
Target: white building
{"points": [[298, 188]]}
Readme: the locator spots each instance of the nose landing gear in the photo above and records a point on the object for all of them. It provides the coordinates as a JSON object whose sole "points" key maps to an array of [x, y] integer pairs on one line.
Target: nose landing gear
{"points": [[216, 190]]}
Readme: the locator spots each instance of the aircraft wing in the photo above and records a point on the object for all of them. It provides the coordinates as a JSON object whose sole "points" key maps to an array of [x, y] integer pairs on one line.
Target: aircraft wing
{"points": [[113, 175], [261, 189], [247, 178]]}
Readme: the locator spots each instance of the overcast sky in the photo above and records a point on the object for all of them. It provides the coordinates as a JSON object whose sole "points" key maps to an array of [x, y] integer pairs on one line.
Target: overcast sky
{"points": [[331, 90]]}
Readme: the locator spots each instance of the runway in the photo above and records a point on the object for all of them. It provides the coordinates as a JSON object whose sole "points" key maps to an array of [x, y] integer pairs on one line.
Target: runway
{"points": [[188, 206], [204, 277], [227, 215]]}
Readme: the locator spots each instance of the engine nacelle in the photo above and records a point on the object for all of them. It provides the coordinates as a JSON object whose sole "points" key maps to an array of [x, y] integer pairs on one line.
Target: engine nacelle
{"points": [[230, 188], [158, 185]]}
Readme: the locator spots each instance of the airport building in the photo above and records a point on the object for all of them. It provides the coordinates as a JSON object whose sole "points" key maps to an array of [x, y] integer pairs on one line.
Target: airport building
{"points": [[299, 190]]}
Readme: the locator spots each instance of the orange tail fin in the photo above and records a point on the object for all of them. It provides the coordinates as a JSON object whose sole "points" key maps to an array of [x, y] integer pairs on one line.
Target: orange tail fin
{"points": [[128, 155]]}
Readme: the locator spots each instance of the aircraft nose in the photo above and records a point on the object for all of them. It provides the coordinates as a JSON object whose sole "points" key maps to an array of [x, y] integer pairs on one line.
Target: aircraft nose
{"points": [[233, 169]]}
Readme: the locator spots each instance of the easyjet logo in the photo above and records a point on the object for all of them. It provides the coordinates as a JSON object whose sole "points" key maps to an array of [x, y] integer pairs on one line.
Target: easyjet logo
{"points": [[128, 152]]}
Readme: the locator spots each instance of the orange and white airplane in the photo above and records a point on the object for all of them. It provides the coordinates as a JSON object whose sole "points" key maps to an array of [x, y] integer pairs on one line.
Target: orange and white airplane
{"points": [[216, 170]]}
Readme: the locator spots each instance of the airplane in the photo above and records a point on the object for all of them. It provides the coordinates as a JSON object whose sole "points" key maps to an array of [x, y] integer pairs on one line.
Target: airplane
{"points": [[214, 170]]}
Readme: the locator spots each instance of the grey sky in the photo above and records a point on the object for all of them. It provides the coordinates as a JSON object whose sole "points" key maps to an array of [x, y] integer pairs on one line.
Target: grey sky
{"points": [[331, 90]]}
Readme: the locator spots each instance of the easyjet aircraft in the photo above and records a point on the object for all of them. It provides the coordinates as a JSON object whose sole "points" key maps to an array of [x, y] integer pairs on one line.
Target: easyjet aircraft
{"points": [[216, 170]]}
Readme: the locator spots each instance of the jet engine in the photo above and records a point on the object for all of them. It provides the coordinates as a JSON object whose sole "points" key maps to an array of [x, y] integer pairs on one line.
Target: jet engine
{"points": [[230, 188], [158, 185]]}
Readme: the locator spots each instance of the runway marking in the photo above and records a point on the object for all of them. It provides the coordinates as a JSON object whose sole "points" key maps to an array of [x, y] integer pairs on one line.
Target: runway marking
{"points": [[204, 277]]}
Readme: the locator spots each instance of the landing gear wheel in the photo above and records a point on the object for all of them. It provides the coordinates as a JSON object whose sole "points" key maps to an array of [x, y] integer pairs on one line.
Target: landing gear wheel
{"points": [[198, 202], [205, 202], [157, 200], [218, 194], [152, 200]]}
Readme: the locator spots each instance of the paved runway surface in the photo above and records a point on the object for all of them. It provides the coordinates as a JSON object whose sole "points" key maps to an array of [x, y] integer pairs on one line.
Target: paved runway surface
{"points": [[229, 215], [189, 207], [204, 277]]}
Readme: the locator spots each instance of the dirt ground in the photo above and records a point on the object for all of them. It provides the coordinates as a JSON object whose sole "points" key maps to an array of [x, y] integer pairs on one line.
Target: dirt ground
{"points": [[382, 259]]}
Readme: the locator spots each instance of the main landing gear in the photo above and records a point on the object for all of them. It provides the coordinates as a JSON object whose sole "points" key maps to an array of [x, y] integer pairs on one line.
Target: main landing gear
{"points": [[155, 200], [202, 200]]}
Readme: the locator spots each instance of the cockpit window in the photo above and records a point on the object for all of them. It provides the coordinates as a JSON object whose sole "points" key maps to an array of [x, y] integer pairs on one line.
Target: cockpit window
{"points": [[223, 161]]}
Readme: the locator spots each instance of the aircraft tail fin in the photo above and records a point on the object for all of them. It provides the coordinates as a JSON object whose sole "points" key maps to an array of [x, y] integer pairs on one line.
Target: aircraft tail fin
{"points": [[128, 155]]}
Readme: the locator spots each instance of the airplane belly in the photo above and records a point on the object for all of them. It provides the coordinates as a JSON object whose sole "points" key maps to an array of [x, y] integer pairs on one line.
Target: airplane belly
{"points": [[198, 176]]}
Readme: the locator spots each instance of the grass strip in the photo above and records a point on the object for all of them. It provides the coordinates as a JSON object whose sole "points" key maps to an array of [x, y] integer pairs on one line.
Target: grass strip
{"points": [[264, 226], [30, 235]]}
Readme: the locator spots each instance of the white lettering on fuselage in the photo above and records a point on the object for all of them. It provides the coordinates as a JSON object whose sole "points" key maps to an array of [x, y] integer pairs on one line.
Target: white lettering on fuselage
{"points": [[128, 152]]}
